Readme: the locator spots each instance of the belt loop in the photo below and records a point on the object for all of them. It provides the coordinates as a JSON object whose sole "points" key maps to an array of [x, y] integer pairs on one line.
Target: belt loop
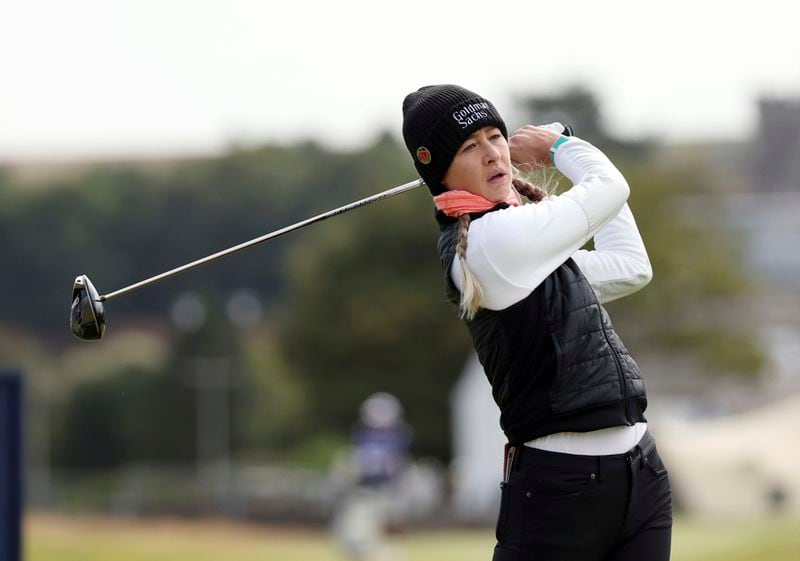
{"points": [[599, 468]]}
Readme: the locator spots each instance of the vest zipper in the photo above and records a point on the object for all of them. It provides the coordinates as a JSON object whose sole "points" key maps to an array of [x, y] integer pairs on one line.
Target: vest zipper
{"points": [[620, 375]]}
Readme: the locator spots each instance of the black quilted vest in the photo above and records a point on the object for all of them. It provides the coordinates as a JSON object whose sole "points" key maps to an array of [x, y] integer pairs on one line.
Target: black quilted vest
{"points": [[553, 359]]}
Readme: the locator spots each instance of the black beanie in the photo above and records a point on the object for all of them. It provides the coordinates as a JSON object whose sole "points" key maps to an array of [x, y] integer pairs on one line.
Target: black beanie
{"points": [[436, 122]]}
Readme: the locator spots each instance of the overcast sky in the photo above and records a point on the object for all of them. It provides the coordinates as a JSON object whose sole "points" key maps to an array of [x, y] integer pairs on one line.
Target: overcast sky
{"points": [[99, 78]]}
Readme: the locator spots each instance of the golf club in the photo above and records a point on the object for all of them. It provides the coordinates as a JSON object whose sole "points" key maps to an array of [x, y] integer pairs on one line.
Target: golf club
{"points": [[87, 316]]}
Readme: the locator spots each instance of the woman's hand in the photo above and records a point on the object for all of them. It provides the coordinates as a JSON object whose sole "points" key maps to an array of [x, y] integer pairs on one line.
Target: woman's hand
{"points": [[530, 147]]}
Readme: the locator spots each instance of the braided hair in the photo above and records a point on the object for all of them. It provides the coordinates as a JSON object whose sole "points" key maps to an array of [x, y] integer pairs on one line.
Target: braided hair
{"points": [[471, 291]]}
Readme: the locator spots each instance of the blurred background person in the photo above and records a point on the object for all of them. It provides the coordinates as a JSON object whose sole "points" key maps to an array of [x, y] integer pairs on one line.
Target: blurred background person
{"points": [[378, 455]]}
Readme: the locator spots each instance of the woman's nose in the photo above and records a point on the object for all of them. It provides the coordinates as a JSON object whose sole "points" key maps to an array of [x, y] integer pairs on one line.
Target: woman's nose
{"points": [[491, 153]]}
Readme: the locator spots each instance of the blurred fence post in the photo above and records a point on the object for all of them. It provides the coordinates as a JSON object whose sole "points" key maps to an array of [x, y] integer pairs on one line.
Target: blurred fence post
{"points": [[10, 465]]}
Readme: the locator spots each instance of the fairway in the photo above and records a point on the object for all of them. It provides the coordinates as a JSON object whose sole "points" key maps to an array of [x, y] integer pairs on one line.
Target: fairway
{"points": [[51, 537]]}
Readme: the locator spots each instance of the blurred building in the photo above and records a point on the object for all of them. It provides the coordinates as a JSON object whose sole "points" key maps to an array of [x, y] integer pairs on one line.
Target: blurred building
{"points": [[777, 147], [743, 460], [478, 441], [740, 465]]}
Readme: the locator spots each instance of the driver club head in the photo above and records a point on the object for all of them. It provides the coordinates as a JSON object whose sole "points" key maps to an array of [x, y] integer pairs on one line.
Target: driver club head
{"points": [[87, 316]]}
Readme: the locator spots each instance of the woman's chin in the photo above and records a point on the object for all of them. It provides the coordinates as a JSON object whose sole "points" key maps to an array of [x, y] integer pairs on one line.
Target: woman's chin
{"points": [[499, 194]]}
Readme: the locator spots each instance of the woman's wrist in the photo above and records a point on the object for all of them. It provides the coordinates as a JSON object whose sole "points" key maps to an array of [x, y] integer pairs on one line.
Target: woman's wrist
{"points": [[554, 148], [530, 146]]}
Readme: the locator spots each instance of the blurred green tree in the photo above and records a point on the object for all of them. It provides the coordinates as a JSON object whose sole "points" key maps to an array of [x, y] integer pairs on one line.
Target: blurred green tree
{"points": [[365, 310], [129, 414]]}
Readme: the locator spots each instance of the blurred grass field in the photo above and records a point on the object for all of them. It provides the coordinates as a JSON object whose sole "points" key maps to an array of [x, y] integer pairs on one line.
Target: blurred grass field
{"points": [[50, 537]]}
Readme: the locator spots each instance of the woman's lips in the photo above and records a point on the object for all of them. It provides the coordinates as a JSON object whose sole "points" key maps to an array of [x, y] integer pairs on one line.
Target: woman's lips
{"points": [[498, 177]]}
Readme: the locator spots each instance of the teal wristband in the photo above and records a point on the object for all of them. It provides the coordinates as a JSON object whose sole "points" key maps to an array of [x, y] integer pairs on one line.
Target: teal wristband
{"points": [[561, 140]]}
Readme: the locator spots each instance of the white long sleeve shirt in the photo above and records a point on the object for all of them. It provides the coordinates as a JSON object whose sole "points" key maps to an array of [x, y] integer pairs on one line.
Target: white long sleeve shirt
{"points": [[511, 251]]}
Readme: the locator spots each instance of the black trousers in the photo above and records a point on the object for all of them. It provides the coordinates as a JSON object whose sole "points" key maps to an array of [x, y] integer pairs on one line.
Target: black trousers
{"points": [[562, 507]]}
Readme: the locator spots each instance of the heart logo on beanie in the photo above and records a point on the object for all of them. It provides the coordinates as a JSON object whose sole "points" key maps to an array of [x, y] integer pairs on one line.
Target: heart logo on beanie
{"points": [[424, 155]]}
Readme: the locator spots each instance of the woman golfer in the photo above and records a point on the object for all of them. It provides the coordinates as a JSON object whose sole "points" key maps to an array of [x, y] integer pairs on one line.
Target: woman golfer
{"points": [[583, 480]]}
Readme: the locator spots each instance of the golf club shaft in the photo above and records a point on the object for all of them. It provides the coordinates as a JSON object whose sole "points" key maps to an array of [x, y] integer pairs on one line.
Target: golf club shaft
{"points": [[377, 197]]}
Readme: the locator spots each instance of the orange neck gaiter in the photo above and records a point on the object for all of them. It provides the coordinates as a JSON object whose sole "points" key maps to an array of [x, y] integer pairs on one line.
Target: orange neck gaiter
{"points": [[455, 203]]}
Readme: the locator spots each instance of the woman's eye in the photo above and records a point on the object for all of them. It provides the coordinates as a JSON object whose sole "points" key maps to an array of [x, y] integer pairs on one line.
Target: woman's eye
{"points": [[469, 146]]}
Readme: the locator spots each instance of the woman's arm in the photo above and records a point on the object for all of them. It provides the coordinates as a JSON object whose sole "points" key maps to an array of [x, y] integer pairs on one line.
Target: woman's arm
{"points": [[512, 251], [618, 265]]}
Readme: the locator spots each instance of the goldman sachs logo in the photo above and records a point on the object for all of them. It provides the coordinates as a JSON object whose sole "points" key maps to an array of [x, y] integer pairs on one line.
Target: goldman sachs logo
{"points": [[471, 113]]}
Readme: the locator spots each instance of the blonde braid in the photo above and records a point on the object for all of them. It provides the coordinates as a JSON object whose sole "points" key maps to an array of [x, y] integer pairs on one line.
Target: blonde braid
{"points": [[529, 190], [471, 291], [536, 184]]}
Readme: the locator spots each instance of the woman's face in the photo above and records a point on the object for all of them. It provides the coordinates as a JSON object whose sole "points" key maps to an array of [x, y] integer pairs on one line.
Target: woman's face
{"points": [[482, 166]]}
